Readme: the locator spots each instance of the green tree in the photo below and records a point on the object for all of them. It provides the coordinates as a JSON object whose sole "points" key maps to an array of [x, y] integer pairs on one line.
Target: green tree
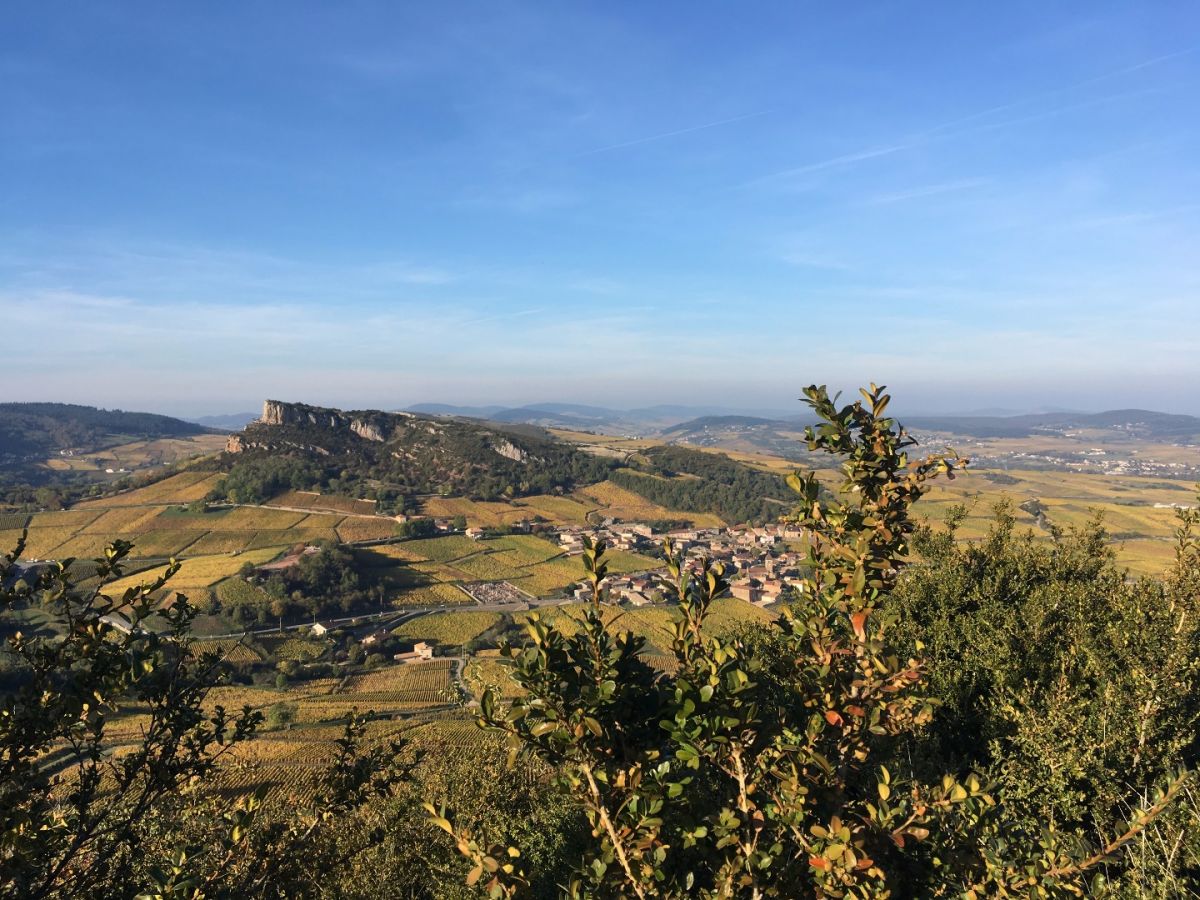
{"points": [[77, 824]]}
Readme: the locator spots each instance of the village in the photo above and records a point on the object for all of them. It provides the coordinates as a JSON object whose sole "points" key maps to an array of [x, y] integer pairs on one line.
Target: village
{"points": [[761, 562]]}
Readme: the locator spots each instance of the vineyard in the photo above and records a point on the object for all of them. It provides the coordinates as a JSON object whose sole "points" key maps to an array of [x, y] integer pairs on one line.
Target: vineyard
{"points": [[439, 594], [560, 510], [13, 521], [477, 512], [523, 550], [182, 488], [354, 528], [626, 506], [451, 629], [294, 648], [233, 651], [487, 671], [311, 500], [443, 549], [198, 572], [487, 567]]}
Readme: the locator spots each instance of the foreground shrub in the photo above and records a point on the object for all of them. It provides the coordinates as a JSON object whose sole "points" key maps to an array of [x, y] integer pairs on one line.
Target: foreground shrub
{"points": [[769, 764]]}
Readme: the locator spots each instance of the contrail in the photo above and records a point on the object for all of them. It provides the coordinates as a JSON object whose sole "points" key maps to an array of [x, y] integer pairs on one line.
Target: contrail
{"points": [[1115, 73], [667, 134], [934, 133], [847, 159]]}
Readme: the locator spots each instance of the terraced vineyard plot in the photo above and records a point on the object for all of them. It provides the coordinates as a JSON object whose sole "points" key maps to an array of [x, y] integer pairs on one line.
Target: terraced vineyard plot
{"points": [[75, 519], [220, 542], [443, 549], [545, 578], [181, 488], [440, 572], [13, 521], [727, 613], [415, 685], [291, 647], [256, 518], [8, 541], [476, 512], [486, 672], [42, 541], [354, 528], [81, 546], [627, 506], [457, 732], [237, 592], [401, 551], [290, 537], [312, 500], [523, 550], [122, 521], [198, 572], [431, 595], [452, 629], [622, 561], [165, 543], [486, 567], [235, 697], [559, 510], [232, 650]]}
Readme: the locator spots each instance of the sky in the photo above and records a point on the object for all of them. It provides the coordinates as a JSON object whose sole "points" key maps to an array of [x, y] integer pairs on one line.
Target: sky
{"points": [[371, 205]]}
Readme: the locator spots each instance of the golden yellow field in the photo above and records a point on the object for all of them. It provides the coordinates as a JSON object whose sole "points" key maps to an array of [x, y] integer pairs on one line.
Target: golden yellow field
{"points": [[1141, 532], [448, 628], [619, 503], [197, 573]]}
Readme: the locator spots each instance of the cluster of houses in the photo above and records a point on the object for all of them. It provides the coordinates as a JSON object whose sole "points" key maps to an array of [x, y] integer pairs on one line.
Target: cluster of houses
{"points": [[761, 562]]}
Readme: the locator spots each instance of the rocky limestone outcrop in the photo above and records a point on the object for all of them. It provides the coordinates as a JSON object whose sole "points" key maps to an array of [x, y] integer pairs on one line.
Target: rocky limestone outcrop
{"points": [[509, 450], [368, 430], [373, 426]]}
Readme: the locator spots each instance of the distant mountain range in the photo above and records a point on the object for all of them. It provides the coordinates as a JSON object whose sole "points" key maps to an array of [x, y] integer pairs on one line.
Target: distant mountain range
{"points": [[581, 417], [679, 423]]}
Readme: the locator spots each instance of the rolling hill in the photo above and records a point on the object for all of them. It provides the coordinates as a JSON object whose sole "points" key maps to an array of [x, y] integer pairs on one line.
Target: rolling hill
{"points": [[38, 429]]}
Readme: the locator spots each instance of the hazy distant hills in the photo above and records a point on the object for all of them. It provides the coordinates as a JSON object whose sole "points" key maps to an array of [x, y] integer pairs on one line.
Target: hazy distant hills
{"points": [[39, 429], [578, 416], [1140, 423], [779, 436], [777, 432], [226, 422]]}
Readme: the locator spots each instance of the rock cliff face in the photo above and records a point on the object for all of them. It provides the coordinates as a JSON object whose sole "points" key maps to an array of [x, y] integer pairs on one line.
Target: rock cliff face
{"points": [[370, 426]]}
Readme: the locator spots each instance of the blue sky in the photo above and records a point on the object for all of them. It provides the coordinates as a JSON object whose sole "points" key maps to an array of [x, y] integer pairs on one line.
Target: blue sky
{"points": [[357, 204]]}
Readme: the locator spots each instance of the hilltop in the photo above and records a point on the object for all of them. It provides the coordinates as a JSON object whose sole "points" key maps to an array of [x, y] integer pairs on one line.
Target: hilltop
{"points": [[67, 447], [391, 456], [28, 429]]}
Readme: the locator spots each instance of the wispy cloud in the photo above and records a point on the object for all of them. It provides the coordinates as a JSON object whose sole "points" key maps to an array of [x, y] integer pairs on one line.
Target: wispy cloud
{"points": [[927, 190], [953, 128], [670, 134], [831, 163]]}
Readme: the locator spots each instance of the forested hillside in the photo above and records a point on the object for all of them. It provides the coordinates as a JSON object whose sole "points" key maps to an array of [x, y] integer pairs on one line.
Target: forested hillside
{"points": [[696, 481], [28, 429]]}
